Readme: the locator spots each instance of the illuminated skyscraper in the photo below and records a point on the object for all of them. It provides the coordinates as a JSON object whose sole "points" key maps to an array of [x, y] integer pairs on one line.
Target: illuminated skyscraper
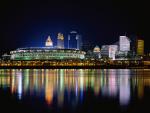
{"points": [[74, 40], [124, 43], [49, 42], [140, 47], [60, 41]]}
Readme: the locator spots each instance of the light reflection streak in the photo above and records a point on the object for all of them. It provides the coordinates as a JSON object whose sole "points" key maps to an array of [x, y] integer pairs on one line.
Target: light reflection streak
{"points": [[124, 90], [112, 83], [48, 88], [19, 83]]}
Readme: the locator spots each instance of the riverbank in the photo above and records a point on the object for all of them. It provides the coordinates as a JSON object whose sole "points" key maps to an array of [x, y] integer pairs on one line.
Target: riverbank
{"points": [[74, 67], [76, 64]]}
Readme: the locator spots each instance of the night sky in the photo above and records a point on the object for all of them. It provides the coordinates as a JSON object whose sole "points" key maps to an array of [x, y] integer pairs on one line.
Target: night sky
{"points": [[28, 23]]}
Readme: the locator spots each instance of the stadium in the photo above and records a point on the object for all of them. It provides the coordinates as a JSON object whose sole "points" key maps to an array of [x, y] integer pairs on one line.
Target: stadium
{"points": [[45, 53]]}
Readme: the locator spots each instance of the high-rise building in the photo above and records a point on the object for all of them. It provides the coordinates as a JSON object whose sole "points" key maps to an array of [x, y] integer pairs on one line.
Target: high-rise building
{"points": [[112, 51], [60, 41], [109, 51], [140, 47], [49, 42], [124, 44], [74, 40], [133, 44]]}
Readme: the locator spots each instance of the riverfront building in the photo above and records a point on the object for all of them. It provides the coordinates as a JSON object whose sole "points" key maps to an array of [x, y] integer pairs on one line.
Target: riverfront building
{"points": [[74, 40], [124, 47], [96, 52], [124, 44], [49, 42], [109, 51], [48, 52], [140, 47], [44, 53], [60, 41]]}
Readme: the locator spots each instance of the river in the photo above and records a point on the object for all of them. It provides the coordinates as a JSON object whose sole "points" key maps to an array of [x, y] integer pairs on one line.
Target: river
{"points": [[75, 90]]}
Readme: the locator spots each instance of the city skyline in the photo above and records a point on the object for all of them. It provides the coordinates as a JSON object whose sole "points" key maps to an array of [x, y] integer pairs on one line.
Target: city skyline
{"points": [[101, 23], [75, 56], [77, 43]]}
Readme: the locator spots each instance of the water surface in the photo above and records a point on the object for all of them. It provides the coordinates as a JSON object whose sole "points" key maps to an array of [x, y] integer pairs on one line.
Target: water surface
{"points": [[75, 90]]}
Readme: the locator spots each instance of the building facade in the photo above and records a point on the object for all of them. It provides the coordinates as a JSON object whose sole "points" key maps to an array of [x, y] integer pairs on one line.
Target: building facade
{"points": [[112, 51], [140, 47], [124, 44], [109, 51], [49, 42], [60, 41], [44, 53], [74, 40], [97, 52]]}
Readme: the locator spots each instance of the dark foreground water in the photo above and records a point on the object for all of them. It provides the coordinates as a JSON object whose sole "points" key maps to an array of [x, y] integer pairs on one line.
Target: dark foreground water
{"points": [[75, 90]]}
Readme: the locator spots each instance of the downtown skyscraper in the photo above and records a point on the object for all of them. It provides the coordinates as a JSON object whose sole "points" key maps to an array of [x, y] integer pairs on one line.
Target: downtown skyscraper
{"points": [[74, 40], [60, 41]]}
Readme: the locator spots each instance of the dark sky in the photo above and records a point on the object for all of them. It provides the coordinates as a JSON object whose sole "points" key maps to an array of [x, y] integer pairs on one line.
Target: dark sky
{"points": [[28, 23]]}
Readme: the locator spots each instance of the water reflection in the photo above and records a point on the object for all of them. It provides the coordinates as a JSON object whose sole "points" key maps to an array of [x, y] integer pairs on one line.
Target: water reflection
{"points": [[71, 85], [124, 86]]}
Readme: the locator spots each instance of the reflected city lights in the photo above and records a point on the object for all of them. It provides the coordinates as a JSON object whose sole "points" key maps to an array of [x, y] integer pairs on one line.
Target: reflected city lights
{"points": [[72, 84], [124, 90]]}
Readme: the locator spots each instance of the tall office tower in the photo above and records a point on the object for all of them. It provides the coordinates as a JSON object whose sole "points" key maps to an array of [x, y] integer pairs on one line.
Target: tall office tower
{"points": [[74, 40], [140, 47], [49, 42], [60, 41], [124, 43]]}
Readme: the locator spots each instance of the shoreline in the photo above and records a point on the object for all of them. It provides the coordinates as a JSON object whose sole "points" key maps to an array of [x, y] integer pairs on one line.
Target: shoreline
{"points": [[75, 64], [74, 67]]}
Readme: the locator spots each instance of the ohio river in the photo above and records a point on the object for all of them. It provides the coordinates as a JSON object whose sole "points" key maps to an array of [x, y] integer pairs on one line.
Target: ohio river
{"points": [[75, 90]]}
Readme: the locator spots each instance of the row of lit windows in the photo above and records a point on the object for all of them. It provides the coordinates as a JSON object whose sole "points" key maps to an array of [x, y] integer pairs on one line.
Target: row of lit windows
{"points": [[46, 51], [45, 56], [40, 58], [56, 54]]}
